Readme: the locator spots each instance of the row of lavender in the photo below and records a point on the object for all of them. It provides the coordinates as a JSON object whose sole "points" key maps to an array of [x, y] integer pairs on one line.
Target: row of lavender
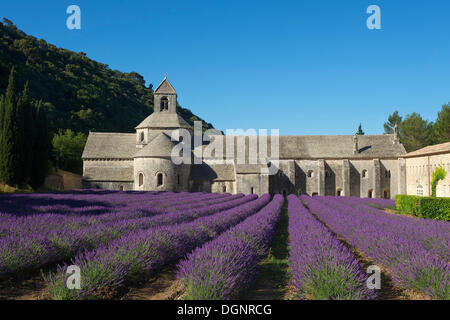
{"points": [[27, 215], [322, 267], [109, 266], [222, 268], [416, 251], [55, 239]]}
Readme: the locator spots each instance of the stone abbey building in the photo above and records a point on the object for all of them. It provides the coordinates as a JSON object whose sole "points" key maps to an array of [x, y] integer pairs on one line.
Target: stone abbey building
{"points": [[344, 165]]}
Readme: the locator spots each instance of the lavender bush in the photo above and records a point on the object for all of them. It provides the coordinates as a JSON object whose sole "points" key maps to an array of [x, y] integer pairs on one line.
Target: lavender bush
{"points": [[322, 267], [416, 251], [144, 252], [221, 268], [61, 239]]}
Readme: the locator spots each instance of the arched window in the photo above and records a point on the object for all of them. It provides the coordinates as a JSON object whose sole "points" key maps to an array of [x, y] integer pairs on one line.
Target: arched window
{"points": [[159, 179], [121, 188], [141, 179], [141, 137], [364, 173], [310, 174], [338, 192], [370, 193], [420, 190], [164, 104], [252, 190], [224, 188], [385, 194]]}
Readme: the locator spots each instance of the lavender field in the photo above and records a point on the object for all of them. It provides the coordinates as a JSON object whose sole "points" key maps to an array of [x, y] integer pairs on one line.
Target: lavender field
{"points": [[215, 244]]}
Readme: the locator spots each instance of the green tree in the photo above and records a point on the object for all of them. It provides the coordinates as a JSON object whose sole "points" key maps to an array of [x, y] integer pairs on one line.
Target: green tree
{"points": [[441, 128], [68, 147], [438, 174], [360, 131], [392, 120], [29, 133], [11, 149], [415, 132], [41, 146]]}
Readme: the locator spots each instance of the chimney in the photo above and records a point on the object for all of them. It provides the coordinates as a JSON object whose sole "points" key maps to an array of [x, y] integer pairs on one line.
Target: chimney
{"points": [[396, 140], [355, 144]]}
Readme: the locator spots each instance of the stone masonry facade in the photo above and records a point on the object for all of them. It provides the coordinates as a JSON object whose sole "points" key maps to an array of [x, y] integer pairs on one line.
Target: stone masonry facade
{"points": [[343, 165]]}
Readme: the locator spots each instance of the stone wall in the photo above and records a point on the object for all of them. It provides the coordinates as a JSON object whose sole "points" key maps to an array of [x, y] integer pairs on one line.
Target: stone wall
{"points": [[223, 187], [150, 168], [259, 183], [108, 185], [419, 171]]}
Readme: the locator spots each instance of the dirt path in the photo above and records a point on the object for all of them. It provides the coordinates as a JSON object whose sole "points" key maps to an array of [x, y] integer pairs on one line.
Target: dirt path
{"points": [[30, 289], [272, 282], [163, 286]]}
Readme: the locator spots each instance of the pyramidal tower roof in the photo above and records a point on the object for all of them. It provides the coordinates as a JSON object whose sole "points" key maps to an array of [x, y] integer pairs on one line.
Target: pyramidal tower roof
{"points": [[164, 120], [165, 87], [160, 147]]}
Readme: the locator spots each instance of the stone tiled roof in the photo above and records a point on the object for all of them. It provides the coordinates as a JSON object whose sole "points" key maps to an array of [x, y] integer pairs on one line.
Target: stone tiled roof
{"points": [[123, 146], [110, 146], [165, 87], [102, 173], [160, 146], [249, 168], [163, 120], [328, 147], [213, 172], [435, 149]]}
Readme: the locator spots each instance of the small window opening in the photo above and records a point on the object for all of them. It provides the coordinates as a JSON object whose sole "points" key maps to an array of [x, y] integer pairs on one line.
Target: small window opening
{"points": [[159, 179], [364, 173], [141, 179], [164, 104], [419, 190]]}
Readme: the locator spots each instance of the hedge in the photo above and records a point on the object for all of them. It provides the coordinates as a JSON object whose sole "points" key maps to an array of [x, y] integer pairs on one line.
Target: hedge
{"points": [[424, 207]]}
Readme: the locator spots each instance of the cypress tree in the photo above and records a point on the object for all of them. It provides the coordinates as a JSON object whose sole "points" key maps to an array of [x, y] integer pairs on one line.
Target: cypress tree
{"points": [[41, 147], [11, 149], [28, 136], [2, 117]]}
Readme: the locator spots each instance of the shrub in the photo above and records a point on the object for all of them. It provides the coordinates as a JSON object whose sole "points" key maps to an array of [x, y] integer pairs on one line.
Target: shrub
{"points": [[438, 174], [424, 207]]}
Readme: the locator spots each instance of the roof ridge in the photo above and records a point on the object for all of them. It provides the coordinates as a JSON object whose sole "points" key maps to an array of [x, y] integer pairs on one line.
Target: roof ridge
{"points": [[109, 133]]}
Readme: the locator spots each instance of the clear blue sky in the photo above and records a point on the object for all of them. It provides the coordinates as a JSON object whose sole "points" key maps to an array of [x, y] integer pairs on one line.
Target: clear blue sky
{"points": [[304, 67]]}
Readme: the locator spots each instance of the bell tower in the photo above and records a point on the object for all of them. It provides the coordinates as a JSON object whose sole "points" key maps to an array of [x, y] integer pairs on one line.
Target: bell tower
{"points": [[165, 98]]}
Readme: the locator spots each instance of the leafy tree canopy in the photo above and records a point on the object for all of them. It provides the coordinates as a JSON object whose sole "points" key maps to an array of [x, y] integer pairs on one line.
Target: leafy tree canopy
{"points": [[68, 148], [441, 129]]}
